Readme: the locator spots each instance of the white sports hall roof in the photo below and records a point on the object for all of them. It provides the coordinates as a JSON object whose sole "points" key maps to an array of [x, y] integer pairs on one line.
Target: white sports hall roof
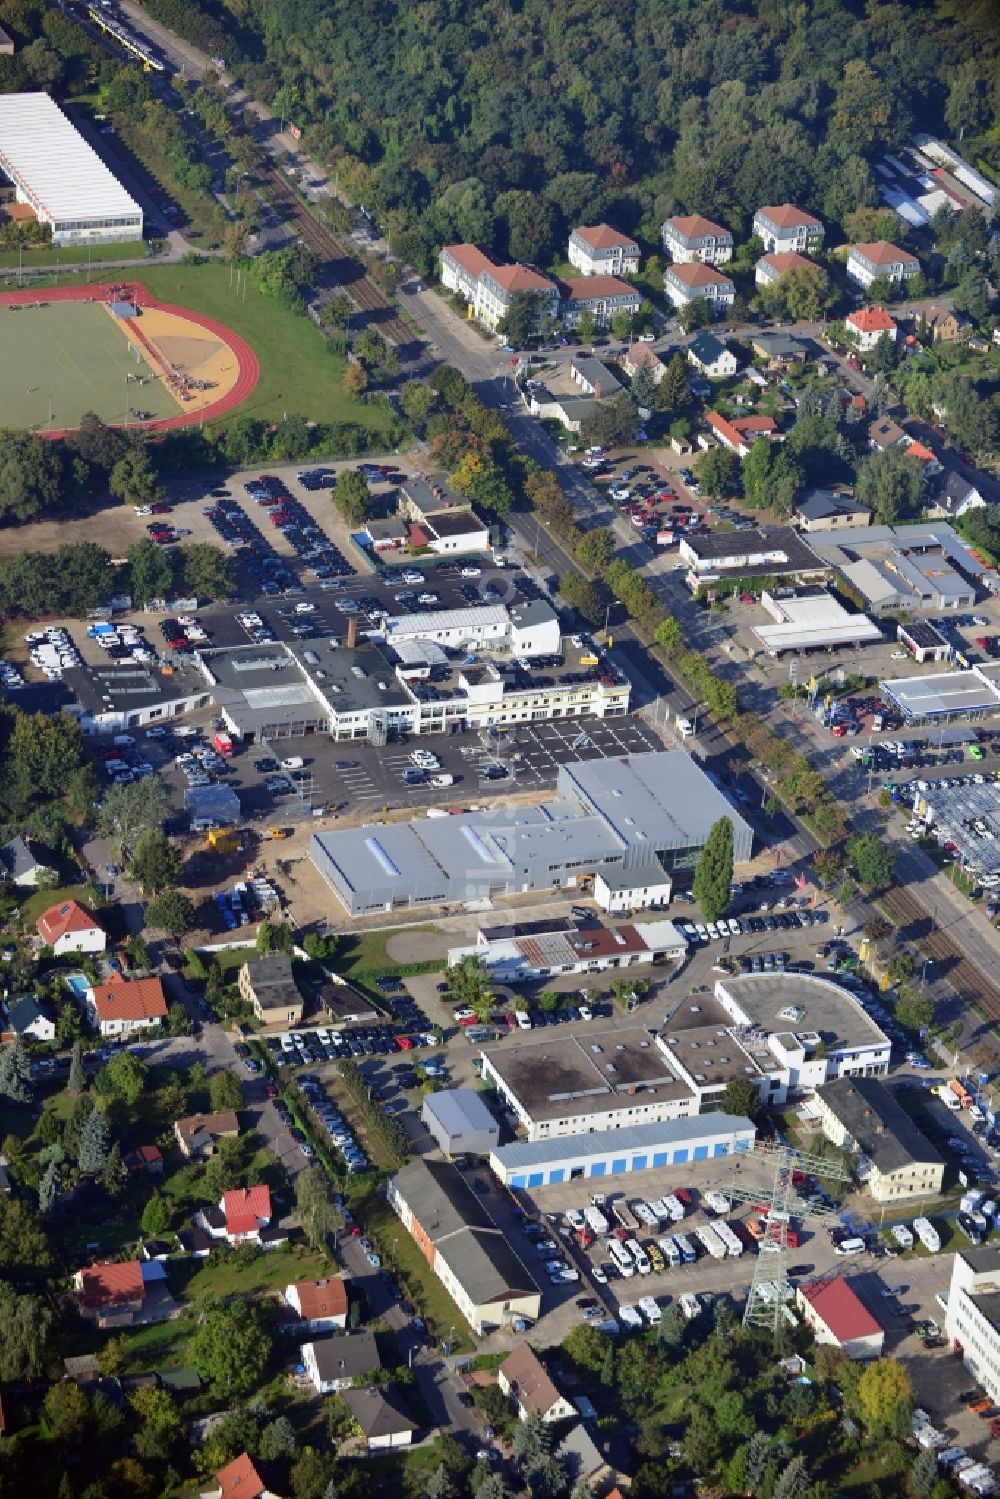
{"points": [[42, 151]]}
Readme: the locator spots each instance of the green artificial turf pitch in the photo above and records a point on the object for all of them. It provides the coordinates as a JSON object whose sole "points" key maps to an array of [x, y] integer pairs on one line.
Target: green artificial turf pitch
{"points": [[75, 356]]}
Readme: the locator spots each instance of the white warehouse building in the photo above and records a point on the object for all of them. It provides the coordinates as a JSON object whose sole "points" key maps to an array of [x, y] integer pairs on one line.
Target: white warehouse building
{"points": [[56, 173], [616, 1152], [972, 1320]]}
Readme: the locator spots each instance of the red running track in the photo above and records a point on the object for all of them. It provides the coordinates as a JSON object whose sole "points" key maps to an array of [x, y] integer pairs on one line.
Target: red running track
{"points": [[134, 291]]}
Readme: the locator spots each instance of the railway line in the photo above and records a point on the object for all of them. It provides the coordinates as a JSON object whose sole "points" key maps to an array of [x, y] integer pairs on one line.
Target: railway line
{"points": [[330, 248], [973, 986]]}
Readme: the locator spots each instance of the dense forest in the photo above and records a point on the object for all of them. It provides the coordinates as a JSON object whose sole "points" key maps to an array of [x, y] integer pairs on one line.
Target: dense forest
{"points": [[505, 121]]}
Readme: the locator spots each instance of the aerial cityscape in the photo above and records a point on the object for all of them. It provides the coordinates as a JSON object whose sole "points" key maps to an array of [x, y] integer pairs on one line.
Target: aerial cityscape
{"points": [[499, 749]]}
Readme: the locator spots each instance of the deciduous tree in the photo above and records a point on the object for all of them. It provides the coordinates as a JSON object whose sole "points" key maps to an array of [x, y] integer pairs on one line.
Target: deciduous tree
{"points": [[713, 876], [229, 1347]]}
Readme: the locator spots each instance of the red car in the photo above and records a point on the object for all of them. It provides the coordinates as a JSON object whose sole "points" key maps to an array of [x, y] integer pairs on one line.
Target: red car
{"points": [[404, 1043], [354, 1231], [270, 1091], [278, 517], [161, 509]]}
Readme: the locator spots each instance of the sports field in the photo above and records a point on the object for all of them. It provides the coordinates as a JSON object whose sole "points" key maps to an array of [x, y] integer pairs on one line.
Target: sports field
{"points": [[64, 359]]}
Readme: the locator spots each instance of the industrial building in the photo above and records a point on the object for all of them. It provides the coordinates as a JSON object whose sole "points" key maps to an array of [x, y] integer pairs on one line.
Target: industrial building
{"points": [[924, 566], [614, 813], [60, 177], [972, 1317], [116, 696], [895, 1159], [923, 641], [839, 1317], [783, 1032], [460, 1122], [812, 621], [941, 697], [616, 1152], [566, 944], [468, 1253]]}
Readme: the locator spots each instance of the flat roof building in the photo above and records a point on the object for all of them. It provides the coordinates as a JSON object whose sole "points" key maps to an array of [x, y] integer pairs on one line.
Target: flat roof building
{"points": [[128, 695], [460, 1122], [812, 621], [897, 1160], [528, 1164], [972, 1318], [468, 1253], [63, 179], [769, 551], [940, 697], [572, 946], [924, 566], [614, 812]]}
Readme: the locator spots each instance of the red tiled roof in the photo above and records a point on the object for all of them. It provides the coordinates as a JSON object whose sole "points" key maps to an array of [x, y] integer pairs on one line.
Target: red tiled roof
{"points": [[589, 287], [104, 1286], [129, 999], [838, 1307], [471, 259], [642, 354], [69, 917], [519, 278], [789, 260], [417, 536], [696, 274], [787, 216], [146, 1155], [871, 320], [880, 252], [694, 226], [246, 1208], [736, 432], [529, 1380], [240, 1479], [322, 1298], [746, 424], [603, 237], [921, 451]]}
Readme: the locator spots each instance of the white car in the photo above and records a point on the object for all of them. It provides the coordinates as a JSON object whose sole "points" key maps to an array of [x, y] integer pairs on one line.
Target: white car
{"points": [[702, 932], [600, 1275], [470, 570], [897, 656], [412, 577], [427, 598], [713, 931], [586, 1013], [142, 510], [305, 608]]}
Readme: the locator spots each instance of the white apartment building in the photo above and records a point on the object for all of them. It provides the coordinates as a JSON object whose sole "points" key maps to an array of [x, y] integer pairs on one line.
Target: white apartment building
{"points": [[688, 281], [489, 289], [972, 1320], [691, 237], [602, 251], [867, 262], [785, 227]]}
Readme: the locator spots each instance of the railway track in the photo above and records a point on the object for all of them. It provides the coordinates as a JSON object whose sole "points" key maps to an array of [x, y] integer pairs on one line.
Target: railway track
{"points": [[969, 981], [330, 248]]}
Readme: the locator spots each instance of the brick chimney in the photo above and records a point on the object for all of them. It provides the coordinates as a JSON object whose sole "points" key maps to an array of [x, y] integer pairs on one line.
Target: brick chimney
{"points": [[352, 632]]}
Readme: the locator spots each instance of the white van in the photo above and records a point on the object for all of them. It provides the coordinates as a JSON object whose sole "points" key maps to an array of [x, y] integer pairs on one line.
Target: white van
{"points": [[684, 727], [443, 778], [294, 762], [850, 1246]]}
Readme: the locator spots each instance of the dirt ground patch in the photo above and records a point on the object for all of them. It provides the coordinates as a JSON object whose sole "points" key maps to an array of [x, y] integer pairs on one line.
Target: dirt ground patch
{"points": [[418, 947]]}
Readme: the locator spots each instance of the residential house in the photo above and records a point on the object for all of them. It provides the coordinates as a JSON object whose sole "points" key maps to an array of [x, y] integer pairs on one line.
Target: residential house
{"points": [[382, 1417], [489, 289], [868, 325], [243, 1478], [839, 1317], [770, 268], [943, 324], [594, 378], [740, 434], [321, 1304], [267, 984], [784, 227], [829, 510], [110, 1295], [23, 1017], [439, 520], [524, 1379], [884, 433], [147, 1158], [778, 348], [242, 1216], [119, 1006], [710, 355], [690, 237], [925, 456], [601, 296], [334, 1363], [954, 496], [601, 250], [584, 1462], [641, 357], [571, 411], [686, 282], [196, 1135], [867, 262], [860, 1114], [69, 927], [22, 863]]}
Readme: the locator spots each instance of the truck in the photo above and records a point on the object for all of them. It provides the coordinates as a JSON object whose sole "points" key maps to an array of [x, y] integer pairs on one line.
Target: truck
{"points": [[222, 743], [647, 1305], [731, 1239], [623, 1260], [961, 1092], [596, 1221], [689, 1305], [717, 1202], [927, 1234], [639, 1256], [710, 1240], [624, 1215], [687, 1250], [646, 1215]]}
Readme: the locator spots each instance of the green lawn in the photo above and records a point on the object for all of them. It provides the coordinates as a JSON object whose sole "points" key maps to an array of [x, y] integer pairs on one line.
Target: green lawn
{"points": [[268, 1272], [48, 255], [297, 371], [418, 1280], [363, 957], [40, 900]]}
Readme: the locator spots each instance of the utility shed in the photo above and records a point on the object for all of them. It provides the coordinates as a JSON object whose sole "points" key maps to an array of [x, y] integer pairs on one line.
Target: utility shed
{"points": [[215, 806], [460, 1122]]}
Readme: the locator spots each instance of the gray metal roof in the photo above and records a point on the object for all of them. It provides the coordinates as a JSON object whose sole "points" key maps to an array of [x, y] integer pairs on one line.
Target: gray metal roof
{"points": [[943, 693], [882, 1128], [459, 1110], [440, 1199], [664, 1135]]}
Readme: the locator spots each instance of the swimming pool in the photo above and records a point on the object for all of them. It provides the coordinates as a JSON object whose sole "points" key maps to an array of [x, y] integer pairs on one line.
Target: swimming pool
{"points": [[78, 982]]}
